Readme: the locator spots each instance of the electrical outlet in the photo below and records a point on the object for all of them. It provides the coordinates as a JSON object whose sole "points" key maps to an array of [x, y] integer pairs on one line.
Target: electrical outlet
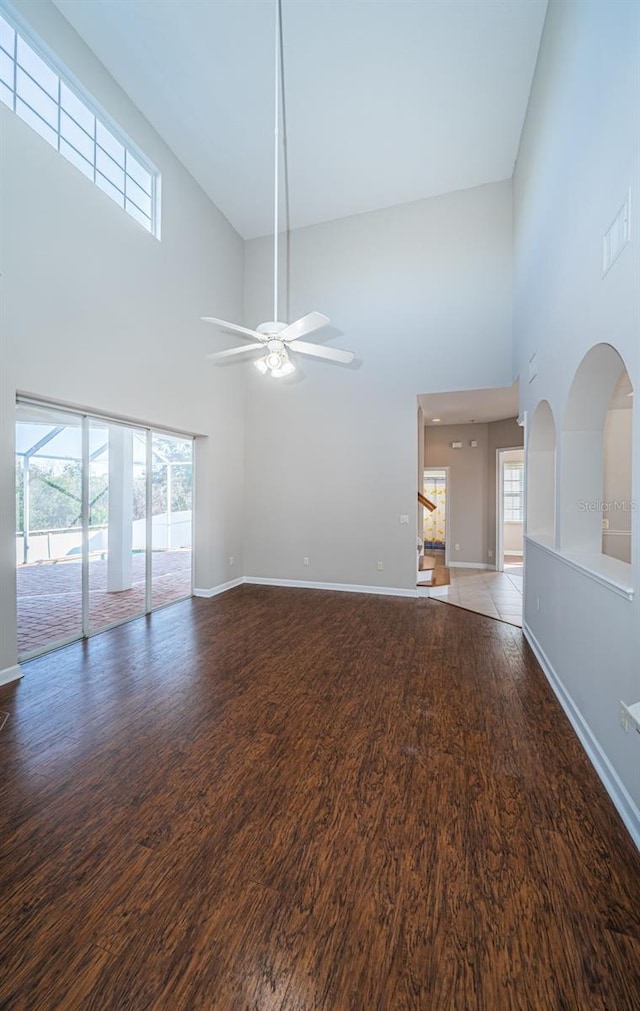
{"points": [[490, 552], [605, 523], [305, 560], [380, 566], [456, 547], [404, 519], [231, 559]]}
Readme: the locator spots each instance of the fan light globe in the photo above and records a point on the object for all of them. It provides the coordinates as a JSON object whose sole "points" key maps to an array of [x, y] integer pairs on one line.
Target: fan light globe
{"points": [[261, 365], [285, 369], [273, 360]]}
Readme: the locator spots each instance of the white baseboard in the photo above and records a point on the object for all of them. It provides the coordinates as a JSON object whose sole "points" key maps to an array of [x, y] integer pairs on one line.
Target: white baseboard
{"points": [[222, 588], [470, 565], [386, 591], [612, 783], [10, 674]]}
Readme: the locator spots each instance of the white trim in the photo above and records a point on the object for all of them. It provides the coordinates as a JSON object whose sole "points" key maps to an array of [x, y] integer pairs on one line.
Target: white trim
{"points": [[85, 474], [148, 520], [542, 541], [386, 591], [10, 674], [95, 414], [622, 800], [592, 566], [471, 565], [222, 588]]}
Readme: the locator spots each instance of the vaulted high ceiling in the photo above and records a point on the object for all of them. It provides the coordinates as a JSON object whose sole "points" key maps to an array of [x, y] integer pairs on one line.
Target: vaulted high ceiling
{"points": [[387, 101]]}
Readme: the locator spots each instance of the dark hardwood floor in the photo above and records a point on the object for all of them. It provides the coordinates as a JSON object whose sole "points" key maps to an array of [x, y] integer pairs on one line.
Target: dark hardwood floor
{"points": [[294, 800]]}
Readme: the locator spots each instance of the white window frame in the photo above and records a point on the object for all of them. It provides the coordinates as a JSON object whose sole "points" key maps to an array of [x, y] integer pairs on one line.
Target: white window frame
{"points": [[513, 494], [122, 195]]}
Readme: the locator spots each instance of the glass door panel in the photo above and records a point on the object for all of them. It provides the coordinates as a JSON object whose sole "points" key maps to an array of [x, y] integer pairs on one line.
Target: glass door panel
{"points": [[103, 524], [172, 505], [116, 523], [48, 528]]}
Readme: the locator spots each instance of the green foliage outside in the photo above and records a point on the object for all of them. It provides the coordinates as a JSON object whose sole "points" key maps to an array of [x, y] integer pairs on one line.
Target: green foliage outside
{"points": [[55, 489]]}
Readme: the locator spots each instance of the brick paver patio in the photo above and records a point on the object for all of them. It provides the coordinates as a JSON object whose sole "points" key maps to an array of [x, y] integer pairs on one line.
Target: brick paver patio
{"points": [[50, 596]]}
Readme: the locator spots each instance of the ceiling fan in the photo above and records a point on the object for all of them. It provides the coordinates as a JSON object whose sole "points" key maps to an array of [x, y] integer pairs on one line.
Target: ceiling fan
{"points": [[275, 339]]}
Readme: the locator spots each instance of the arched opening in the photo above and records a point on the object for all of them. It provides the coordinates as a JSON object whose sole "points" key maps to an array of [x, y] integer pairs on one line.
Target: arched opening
{"points": [[597, 458], [541, 476]]}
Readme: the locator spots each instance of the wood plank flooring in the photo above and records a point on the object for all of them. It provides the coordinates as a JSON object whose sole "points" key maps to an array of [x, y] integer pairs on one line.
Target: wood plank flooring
{"points": [[293, 800]]}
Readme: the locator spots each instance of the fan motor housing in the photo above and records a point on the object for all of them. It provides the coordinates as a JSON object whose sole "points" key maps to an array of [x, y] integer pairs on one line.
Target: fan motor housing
{"points": [[272, 327]]}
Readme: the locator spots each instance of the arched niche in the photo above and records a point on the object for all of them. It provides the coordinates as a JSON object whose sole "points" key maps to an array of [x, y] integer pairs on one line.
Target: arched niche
{"points": [[617, 463], [541, 475], [587, 446]]}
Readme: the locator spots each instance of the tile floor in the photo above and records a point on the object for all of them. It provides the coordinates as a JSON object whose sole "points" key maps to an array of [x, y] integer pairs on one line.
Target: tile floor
{"points": [[496, 594]]}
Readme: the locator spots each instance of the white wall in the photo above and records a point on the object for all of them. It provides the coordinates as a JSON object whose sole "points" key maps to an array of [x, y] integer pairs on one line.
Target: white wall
{"points": [[513, 538], [579, 155], [98, 313], [422, 294]]}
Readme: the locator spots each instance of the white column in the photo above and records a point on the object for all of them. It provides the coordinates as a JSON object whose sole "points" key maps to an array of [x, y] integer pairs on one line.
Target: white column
{"points": [[120, 539]]}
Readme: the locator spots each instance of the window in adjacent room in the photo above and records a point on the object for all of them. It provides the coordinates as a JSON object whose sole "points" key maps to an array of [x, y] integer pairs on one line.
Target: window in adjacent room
{"points": [[513, 492], [43, 94]]}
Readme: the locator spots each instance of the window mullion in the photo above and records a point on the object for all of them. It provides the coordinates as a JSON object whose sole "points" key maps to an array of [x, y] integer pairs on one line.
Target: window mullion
{"points": [[85, 526], [148, 569]]}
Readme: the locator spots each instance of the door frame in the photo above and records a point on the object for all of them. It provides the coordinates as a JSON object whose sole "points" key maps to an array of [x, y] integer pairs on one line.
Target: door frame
{"points": [[447, 506], [86, 418]]}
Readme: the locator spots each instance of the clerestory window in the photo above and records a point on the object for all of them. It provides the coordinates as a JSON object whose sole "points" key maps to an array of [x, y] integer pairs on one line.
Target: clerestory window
{"points": [[43, 94]]}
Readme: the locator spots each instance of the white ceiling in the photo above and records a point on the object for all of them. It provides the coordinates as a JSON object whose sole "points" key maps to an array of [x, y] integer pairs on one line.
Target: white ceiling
{"points": [[466, 406], [388, 101]]}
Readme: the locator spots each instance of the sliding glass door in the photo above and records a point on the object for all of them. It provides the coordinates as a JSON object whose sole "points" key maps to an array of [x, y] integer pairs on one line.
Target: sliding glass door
{"points": [[104, 524], [48, 528], [172, 493]]}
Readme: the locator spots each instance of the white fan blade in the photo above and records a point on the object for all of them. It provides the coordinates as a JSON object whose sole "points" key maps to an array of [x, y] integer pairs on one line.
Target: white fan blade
{"points": [[218, 355], [306, 324], [233, 326], [320, 351]]}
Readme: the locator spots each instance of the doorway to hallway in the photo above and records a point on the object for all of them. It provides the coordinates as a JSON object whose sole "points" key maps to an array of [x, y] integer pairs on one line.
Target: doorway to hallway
{"points": [[471, 434]]}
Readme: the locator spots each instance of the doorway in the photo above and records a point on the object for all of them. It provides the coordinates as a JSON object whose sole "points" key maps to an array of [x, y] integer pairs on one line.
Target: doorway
{"points": [[103, 523], [510, 511], [434, 561]]}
